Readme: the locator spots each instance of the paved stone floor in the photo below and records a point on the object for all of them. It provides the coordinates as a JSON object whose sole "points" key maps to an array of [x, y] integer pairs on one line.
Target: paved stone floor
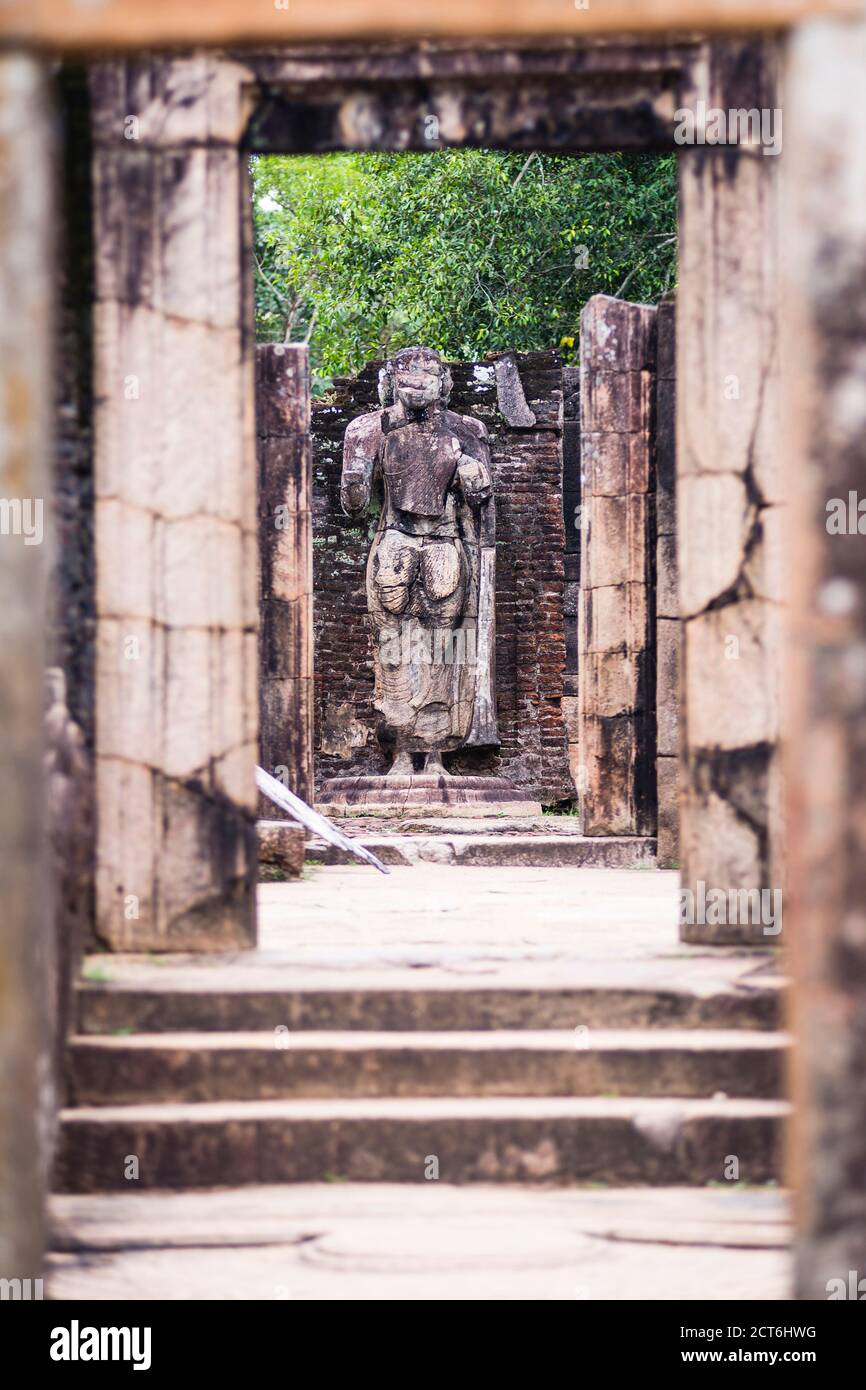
{"points": [[439, 927], [328, 1242]]}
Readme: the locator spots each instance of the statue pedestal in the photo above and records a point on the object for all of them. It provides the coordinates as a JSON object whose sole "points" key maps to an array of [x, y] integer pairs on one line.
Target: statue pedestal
{"points": [[430, 793]]}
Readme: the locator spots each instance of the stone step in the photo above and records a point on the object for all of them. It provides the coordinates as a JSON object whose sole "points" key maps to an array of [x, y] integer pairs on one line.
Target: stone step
{"points": [[556, 1140], [497, 851], [195, 1067], [214, 1007]]}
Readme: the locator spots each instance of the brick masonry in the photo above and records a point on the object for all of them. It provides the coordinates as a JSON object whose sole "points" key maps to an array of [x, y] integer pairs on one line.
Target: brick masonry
{"points": [[530, 584]]}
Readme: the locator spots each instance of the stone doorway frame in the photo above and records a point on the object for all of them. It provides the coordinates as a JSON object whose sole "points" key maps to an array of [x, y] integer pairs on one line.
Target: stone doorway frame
{"points": [[174, 318]]}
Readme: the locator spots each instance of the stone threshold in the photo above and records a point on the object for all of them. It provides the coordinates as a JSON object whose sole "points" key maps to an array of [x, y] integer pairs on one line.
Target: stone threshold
{"points": [[482, 810], [503, 850], [451, 822]]}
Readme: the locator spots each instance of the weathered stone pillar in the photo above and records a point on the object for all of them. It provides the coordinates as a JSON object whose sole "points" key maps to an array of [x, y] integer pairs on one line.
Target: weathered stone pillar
{"points": [[824, 415], [616, 675], [286, 554], [26, 263], [176, 534], [729, 519], [571, 517], [667, 604]]}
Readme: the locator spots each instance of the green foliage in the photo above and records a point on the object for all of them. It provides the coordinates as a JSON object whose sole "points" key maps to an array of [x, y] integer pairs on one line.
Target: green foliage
{"points": [[467, 251]]}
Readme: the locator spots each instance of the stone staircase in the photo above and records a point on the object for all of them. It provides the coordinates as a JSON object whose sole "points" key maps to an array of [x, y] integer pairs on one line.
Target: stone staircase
{"points": [[228, 1086]]}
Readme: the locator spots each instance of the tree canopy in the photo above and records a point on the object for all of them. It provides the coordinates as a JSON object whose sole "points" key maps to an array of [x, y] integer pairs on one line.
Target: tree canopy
{"points": [[467, 251]]}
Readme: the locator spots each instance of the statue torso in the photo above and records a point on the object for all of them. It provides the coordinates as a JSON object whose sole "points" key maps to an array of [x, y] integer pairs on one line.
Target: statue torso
{"points": [[418, 462]]}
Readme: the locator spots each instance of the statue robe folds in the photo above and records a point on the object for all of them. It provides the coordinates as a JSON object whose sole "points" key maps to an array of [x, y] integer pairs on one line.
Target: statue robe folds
{"points": [[430, 573]]}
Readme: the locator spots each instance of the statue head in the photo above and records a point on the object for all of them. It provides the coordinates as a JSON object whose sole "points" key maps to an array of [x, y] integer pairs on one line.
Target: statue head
{"points": [[419, 378]]}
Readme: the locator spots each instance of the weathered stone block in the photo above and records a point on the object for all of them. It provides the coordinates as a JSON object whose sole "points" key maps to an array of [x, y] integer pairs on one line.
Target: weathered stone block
{"points": [[667, 588], [617, 539], [617, 725], [731, 697], [612, 682], [668, 643], [613, 402], [615, 618], [175, 482], [616, 465], [571, 716], [281, 846], [665, 366], [286, 572], [620, 336], [668, 834], [714, 522], [280, 458], [615, 799]]}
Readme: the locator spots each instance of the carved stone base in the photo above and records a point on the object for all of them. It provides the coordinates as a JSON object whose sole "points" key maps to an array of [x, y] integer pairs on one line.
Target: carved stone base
{"points": [[428, 792]]}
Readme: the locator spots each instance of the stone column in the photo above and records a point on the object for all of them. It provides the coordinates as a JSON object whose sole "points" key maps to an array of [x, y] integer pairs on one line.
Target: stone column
{"points": [[729, 517], [286, 553], [616, 677], [571, 516], [824, 414], [667, 605], [175, 487], [26, 263]]}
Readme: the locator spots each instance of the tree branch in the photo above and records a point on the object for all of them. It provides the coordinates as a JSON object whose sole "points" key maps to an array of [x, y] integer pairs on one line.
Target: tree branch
{"points": [[634, 270], [310, 326], [534, 155], [280, 296]]}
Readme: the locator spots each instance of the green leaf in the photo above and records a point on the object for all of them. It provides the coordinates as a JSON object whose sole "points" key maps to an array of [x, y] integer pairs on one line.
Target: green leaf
{"points": [[447, 248]]}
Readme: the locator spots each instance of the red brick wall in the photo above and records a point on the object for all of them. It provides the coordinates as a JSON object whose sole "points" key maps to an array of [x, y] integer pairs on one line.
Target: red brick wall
{"points": [[530, 639]]}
